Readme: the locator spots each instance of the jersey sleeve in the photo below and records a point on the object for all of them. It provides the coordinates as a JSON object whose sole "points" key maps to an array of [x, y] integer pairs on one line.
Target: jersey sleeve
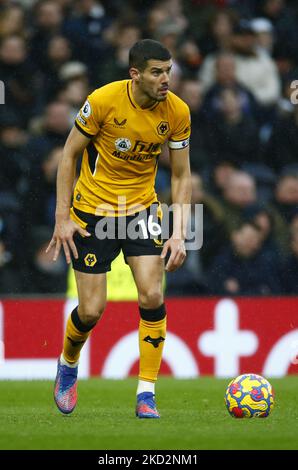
{"points": [[179, 138], [88, 118]]}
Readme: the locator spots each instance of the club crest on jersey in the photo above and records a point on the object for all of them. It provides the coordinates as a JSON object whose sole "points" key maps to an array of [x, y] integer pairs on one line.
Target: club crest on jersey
{"points": [[86, 109], [123, 144], [163, 128]]}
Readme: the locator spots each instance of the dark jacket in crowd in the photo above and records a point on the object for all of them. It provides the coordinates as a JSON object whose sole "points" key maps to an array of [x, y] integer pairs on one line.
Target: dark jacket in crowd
{"points": [[258, 275], [290, 275], [236, 143]]}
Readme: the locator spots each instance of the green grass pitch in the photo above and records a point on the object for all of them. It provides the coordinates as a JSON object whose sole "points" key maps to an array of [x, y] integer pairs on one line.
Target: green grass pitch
{"points": [[193, 417]]}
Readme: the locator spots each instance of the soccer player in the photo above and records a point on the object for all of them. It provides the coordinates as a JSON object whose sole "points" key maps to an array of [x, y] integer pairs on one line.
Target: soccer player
{"points": [[120, 130]]}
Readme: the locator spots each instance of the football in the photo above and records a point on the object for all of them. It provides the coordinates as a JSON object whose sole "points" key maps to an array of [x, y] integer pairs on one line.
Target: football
{"points": [[249, 396]]}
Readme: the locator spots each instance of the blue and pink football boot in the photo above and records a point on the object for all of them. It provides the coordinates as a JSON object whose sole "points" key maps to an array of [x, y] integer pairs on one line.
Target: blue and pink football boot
{"points": [[65, 392], [146, 407]]}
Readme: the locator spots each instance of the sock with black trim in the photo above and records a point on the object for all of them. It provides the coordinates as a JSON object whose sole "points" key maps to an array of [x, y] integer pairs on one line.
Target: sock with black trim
{"points": [[152, 334], [76, 334]]}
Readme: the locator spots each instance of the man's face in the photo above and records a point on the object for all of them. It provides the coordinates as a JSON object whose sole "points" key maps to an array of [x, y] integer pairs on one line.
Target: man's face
{"points": [[244, 43], [246, 241], [154, 80]]}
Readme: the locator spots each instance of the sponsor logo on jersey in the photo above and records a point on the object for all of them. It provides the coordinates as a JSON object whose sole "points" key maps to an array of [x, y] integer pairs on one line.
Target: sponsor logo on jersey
{"points": [[123, 144], [86, 109], [120, 123], [158, 242], [81, 120]]}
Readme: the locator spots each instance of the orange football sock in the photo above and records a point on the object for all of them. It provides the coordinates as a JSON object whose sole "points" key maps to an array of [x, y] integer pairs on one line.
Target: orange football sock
{"points": [[152, 335], [76, 334]]}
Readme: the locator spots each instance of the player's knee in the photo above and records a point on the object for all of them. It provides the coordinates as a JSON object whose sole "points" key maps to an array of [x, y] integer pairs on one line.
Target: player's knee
{"points": [[90, 312], [151, 298]]}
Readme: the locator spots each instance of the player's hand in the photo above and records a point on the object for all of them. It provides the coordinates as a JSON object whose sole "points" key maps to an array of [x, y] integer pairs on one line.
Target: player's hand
{"points": [[178, 254], [63, 236]]}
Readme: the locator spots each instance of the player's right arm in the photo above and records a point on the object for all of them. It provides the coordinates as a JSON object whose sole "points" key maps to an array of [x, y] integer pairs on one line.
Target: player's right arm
{"points": [[65, 227]]}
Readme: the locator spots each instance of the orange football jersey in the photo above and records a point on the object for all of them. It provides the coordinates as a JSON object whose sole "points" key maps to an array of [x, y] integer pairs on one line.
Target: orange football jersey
{"points": [[119, 164]]}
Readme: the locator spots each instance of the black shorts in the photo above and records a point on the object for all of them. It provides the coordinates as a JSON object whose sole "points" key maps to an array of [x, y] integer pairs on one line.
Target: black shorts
{"points": [[135, 235]]}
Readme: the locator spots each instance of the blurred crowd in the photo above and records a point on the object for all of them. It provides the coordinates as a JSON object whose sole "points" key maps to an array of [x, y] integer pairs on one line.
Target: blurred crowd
{"points": [[235, 64]]}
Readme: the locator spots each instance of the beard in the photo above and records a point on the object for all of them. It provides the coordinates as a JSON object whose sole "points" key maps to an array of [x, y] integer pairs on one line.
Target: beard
{"points": [[151, 95]]}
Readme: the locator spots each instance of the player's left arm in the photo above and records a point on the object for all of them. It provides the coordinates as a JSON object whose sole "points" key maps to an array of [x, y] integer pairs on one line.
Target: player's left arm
{"points": [[181, 196]]}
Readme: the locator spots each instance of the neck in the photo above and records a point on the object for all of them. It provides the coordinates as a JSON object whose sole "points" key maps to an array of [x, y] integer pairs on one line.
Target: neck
{"points": [[142, 100], [233, 117]]}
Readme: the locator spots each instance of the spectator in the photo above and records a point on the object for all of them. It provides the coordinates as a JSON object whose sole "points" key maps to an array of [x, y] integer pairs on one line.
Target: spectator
{"points": [[283, 21], [286, 196], [219, 32], [13, 184], [47, 22], [155, 17], [12, 21], [165, 13], [59, 53], [285, 209], [239, 194], [20, 92], [41, 197], [190, 58], [225, 70], [51, 131], [219, 177], [190, 279], [264, 34], [13, 166], [244, 268], [74, 93], [42, 275], [282, 146], [222, 135], [290, 267], [85, 29], [267, 222], [254, 69], [10, 279], [213, 222], [169, 35], [116, 66], [191, 92], [74, 86]]}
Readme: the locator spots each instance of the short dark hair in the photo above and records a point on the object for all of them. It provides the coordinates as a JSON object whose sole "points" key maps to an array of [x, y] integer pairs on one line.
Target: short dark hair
{"points": [[147, 49]]}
